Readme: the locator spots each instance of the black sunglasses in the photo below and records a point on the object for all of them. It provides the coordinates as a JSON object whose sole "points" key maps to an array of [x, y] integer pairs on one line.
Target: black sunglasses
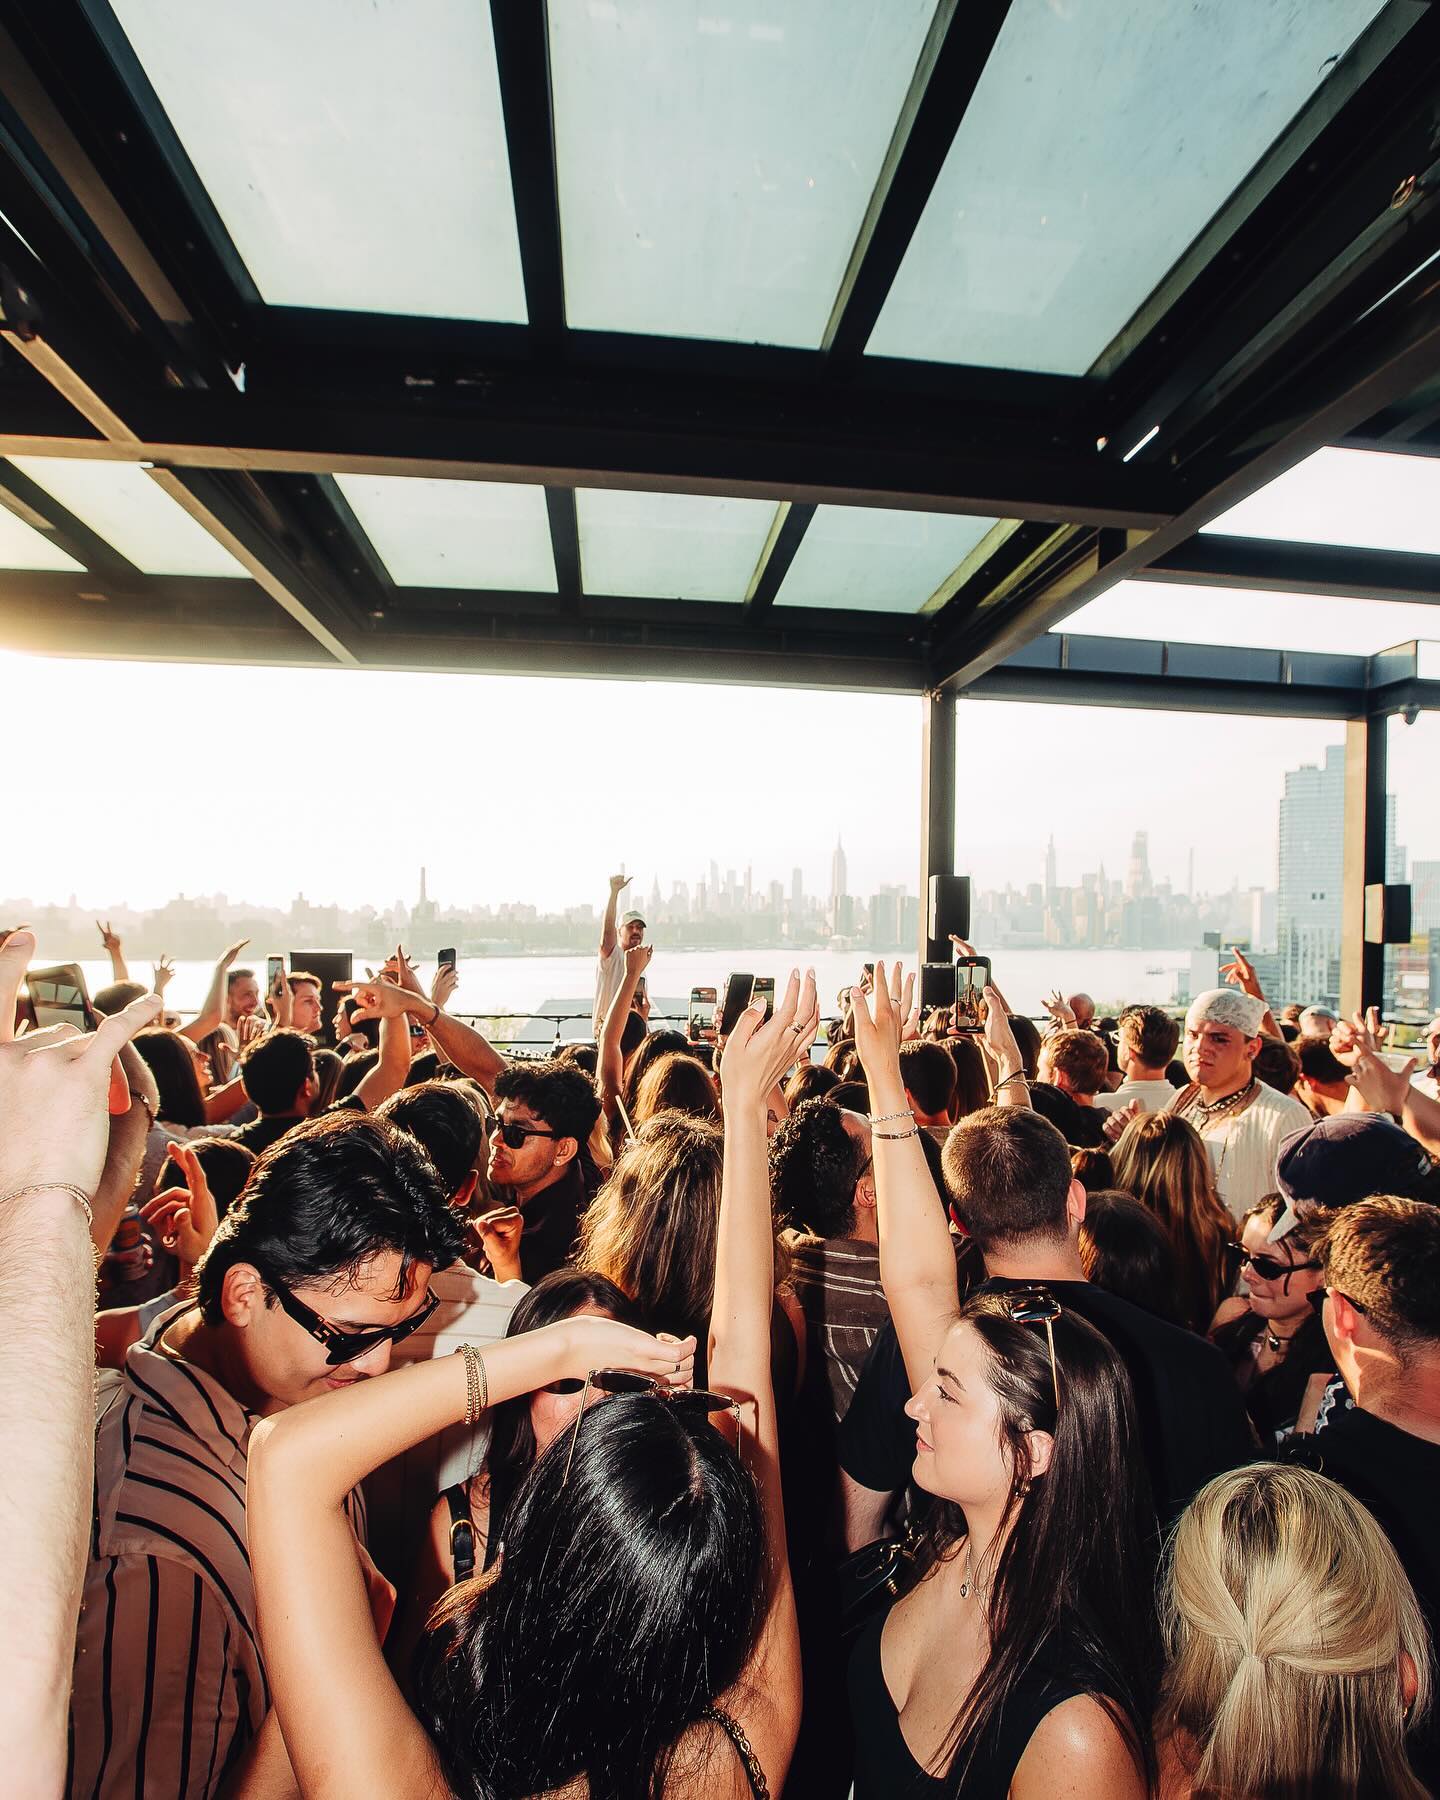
{"points": [[1036, 1306], [514, 1136], [1316, 1297], [627, 1381], [346, 1346], [1270, 1268]]}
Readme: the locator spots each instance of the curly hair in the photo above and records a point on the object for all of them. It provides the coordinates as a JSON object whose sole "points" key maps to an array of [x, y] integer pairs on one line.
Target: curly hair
{"points": [[814, 1165]]}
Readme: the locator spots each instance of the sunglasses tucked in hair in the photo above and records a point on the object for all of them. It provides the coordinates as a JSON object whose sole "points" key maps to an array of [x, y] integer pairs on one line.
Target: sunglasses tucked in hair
{"points": [[343, 1346], [1036, 1306], [627, 1381]]}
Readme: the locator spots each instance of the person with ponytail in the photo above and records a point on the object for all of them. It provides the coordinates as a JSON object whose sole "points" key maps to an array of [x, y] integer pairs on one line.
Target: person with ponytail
{"points": [[1024, 1661], [1299, 1658]]}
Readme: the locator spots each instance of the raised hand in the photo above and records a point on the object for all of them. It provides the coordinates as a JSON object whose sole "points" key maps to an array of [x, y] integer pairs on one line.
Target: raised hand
{"points": [[499, 1232], [1114, 1126], [1358, 1036], [164, 974], [184, 1219], [227, 956], [879, 1018], [591, 1342], [247, 1028], [380, 998], [447, 979], [110, 938], [1060, 1013], [400, 968], [997, 1037], [619, 882], [637, 961], [1382, 1088], [1240, 973], [759, 1050]]}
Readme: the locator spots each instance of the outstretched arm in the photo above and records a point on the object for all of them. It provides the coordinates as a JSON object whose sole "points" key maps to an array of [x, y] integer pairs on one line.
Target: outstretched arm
{"points": [[757, 1054], [55, 1087], [212, 1013], [608, 939], [460, 1044], [114, 949], [917, 1261], [610, 1065], [1240, 972], [313, 1605]]}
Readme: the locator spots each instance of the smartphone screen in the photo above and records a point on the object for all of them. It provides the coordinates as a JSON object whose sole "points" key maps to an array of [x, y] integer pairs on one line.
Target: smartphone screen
{"points": [[702, 1013], [763, 990], [738, 986], [58, 997], [446, 958], [972, 977], [274, 969]]}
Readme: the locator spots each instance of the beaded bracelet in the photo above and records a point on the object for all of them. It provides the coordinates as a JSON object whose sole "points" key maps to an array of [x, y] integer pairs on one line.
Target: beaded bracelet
{"points": [[889, 1118], [77, 1194], [477, 1383]]}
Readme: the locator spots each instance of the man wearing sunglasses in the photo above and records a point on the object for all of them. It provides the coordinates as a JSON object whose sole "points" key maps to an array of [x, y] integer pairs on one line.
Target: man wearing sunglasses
{"points": [[1380, 1305], [320, 1267], [544, 1114]]}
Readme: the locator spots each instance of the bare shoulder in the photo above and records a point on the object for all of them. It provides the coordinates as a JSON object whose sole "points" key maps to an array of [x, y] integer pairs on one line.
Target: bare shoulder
{"points": [[1078, 1750], [709, 1764]]}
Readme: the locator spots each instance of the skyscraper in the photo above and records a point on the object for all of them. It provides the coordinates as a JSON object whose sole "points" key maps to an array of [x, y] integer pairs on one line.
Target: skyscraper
{"points": [[1137, 876], [1050, 882], [1312, 860], [838, 873]]}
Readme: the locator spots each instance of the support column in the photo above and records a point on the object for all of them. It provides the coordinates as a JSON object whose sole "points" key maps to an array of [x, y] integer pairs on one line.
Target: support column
{"points": [[1362, 965], [937, 806]]}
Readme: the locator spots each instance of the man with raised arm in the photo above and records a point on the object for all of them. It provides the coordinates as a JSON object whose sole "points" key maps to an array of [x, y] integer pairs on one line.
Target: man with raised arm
{"points": [[610, 966], [1242, 1121]]}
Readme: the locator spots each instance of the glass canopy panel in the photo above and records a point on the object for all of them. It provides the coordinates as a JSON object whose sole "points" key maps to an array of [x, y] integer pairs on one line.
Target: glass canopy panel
{"points": [[1251, 619], [472, 534], [1370, 499], [356, 154], [716, 157], [1101, 139], [864, 559], [120, 503], [670, 546], [23, 547]]}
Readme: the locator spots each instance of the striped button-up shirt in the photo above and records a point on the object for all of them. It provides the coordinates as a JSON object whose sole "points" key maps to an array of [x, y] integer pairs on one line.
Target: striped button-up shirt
{"points": [[169, 1683]]}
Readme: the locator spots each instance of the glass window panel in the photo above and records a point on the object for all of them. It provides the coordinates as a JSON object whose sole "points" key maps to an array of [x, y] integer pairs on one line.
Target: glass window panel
{"points": [[861, 558], [716, 160], [480, 534], [120, 503], [1251, 619], [23, 547], [355, 153], [1101, 139], [1367, 498], [670, 546]]}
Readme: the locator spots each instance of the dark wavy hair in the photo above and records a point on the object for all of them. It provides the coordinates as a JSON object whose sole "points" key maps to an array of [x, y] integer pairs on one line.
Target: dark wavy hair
{"points": [[333, 1193], [1077, 1570], [447, 1123], [560, 1095], [814, 1165], [628, 1598], [656, 1044], [275, 1067], [172, 1065], [512, 1448]]}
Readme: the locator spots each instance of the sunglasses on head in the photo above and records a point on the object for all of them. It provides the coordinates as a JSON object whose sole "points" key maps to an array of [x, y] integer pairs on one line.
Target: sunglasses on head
{"points": [[626, 1381], [346, 1346], [1270, 1268], [1036, 1306], [513, 1136]]}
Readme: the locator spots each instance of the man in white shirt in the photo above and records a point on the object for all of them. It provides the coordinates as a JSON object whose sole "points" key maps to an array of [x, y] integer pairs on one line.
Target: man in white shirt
{"points": [[1427, 1077], [610, 967], [1242, 1121], [1145, 1046]]}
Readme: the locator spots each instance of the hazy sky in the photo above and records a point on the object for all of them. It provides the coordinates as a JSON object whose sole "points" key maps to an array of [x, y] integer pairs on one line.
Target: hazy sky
{"points": [[162, 778]]}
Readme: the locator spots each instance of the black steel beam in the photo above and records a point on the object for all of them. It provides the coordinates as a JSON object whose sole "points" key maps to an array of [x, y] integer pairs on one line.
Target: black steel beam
{"points": [[564, 519], [786, 536], [522, 55], [30, 502], [950, 65], [1362, 965], [1061, 688], [1275, 566], [937, 807]]}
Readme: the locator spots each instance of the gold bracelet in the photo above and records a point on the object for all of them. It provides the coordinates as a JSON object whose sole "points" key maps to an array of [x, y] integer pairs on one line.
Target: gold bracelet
{"points": [[477, 1384], [894, 1137]]}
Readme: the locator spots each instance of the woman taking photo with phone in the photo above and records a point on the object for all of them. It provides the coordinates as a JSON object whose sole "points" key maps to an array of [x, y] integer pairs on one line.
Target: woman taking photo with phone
{"points": [[635, 1638], [1024, 1660]]}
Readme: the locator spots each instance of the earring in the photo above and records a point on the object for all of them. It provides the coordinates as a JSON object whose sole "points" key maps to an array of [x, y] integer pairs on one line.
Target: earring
{"points": [[1021, 1489]]}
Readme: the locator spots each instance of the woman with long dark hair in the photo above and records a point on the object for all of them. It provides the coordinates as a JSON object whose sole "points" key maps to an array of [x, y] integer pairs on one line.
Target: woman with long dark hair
{"points": [[1161, 1159], [1024, 1660], [635, 1638]]}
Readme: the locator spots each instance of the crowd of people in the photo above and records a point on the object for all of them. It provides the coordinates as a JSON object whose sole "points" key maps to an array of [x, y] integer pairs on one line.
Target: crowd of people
{"points": [[888, 1404]]}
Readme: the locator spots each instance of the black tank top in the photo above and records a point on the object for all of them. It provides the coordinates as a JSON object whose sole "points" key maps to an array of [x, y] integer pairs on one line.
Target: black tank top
{"points": [[884, 1767]]}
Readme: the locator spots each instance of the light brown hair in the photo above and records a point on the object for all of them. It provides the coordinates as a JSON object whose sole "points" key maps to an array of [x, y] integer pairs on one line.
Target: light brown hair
{"points": [[1161, 1160]]}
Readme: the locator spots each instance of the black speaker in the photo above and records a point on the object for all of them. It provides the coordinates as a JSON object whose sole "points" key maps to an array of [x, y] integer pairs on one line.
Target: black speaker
{"points": [[1387, 913], [949, 909], [331, 966]]}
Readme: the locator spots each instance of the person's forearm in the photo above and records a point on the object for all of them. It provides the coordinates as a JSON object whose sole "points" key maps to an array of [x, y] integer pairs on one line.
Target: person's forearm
{"points": [[392, 1065], [1421, 1118], [739, 1350], [119, 968], [462, 1045], [916, 1258], [125, 1151], [47, 1447], [611, 1059], [320, 1452], [212, 1011], [608, 936]]}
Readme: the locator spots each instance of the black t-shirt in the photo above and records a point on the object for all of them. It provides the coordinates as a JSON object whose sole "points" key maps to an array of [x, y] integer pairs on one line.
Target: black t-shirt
{"points": [[268, 1129], [1397, 1476], [1192, 1420], [1082, 1127]]}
